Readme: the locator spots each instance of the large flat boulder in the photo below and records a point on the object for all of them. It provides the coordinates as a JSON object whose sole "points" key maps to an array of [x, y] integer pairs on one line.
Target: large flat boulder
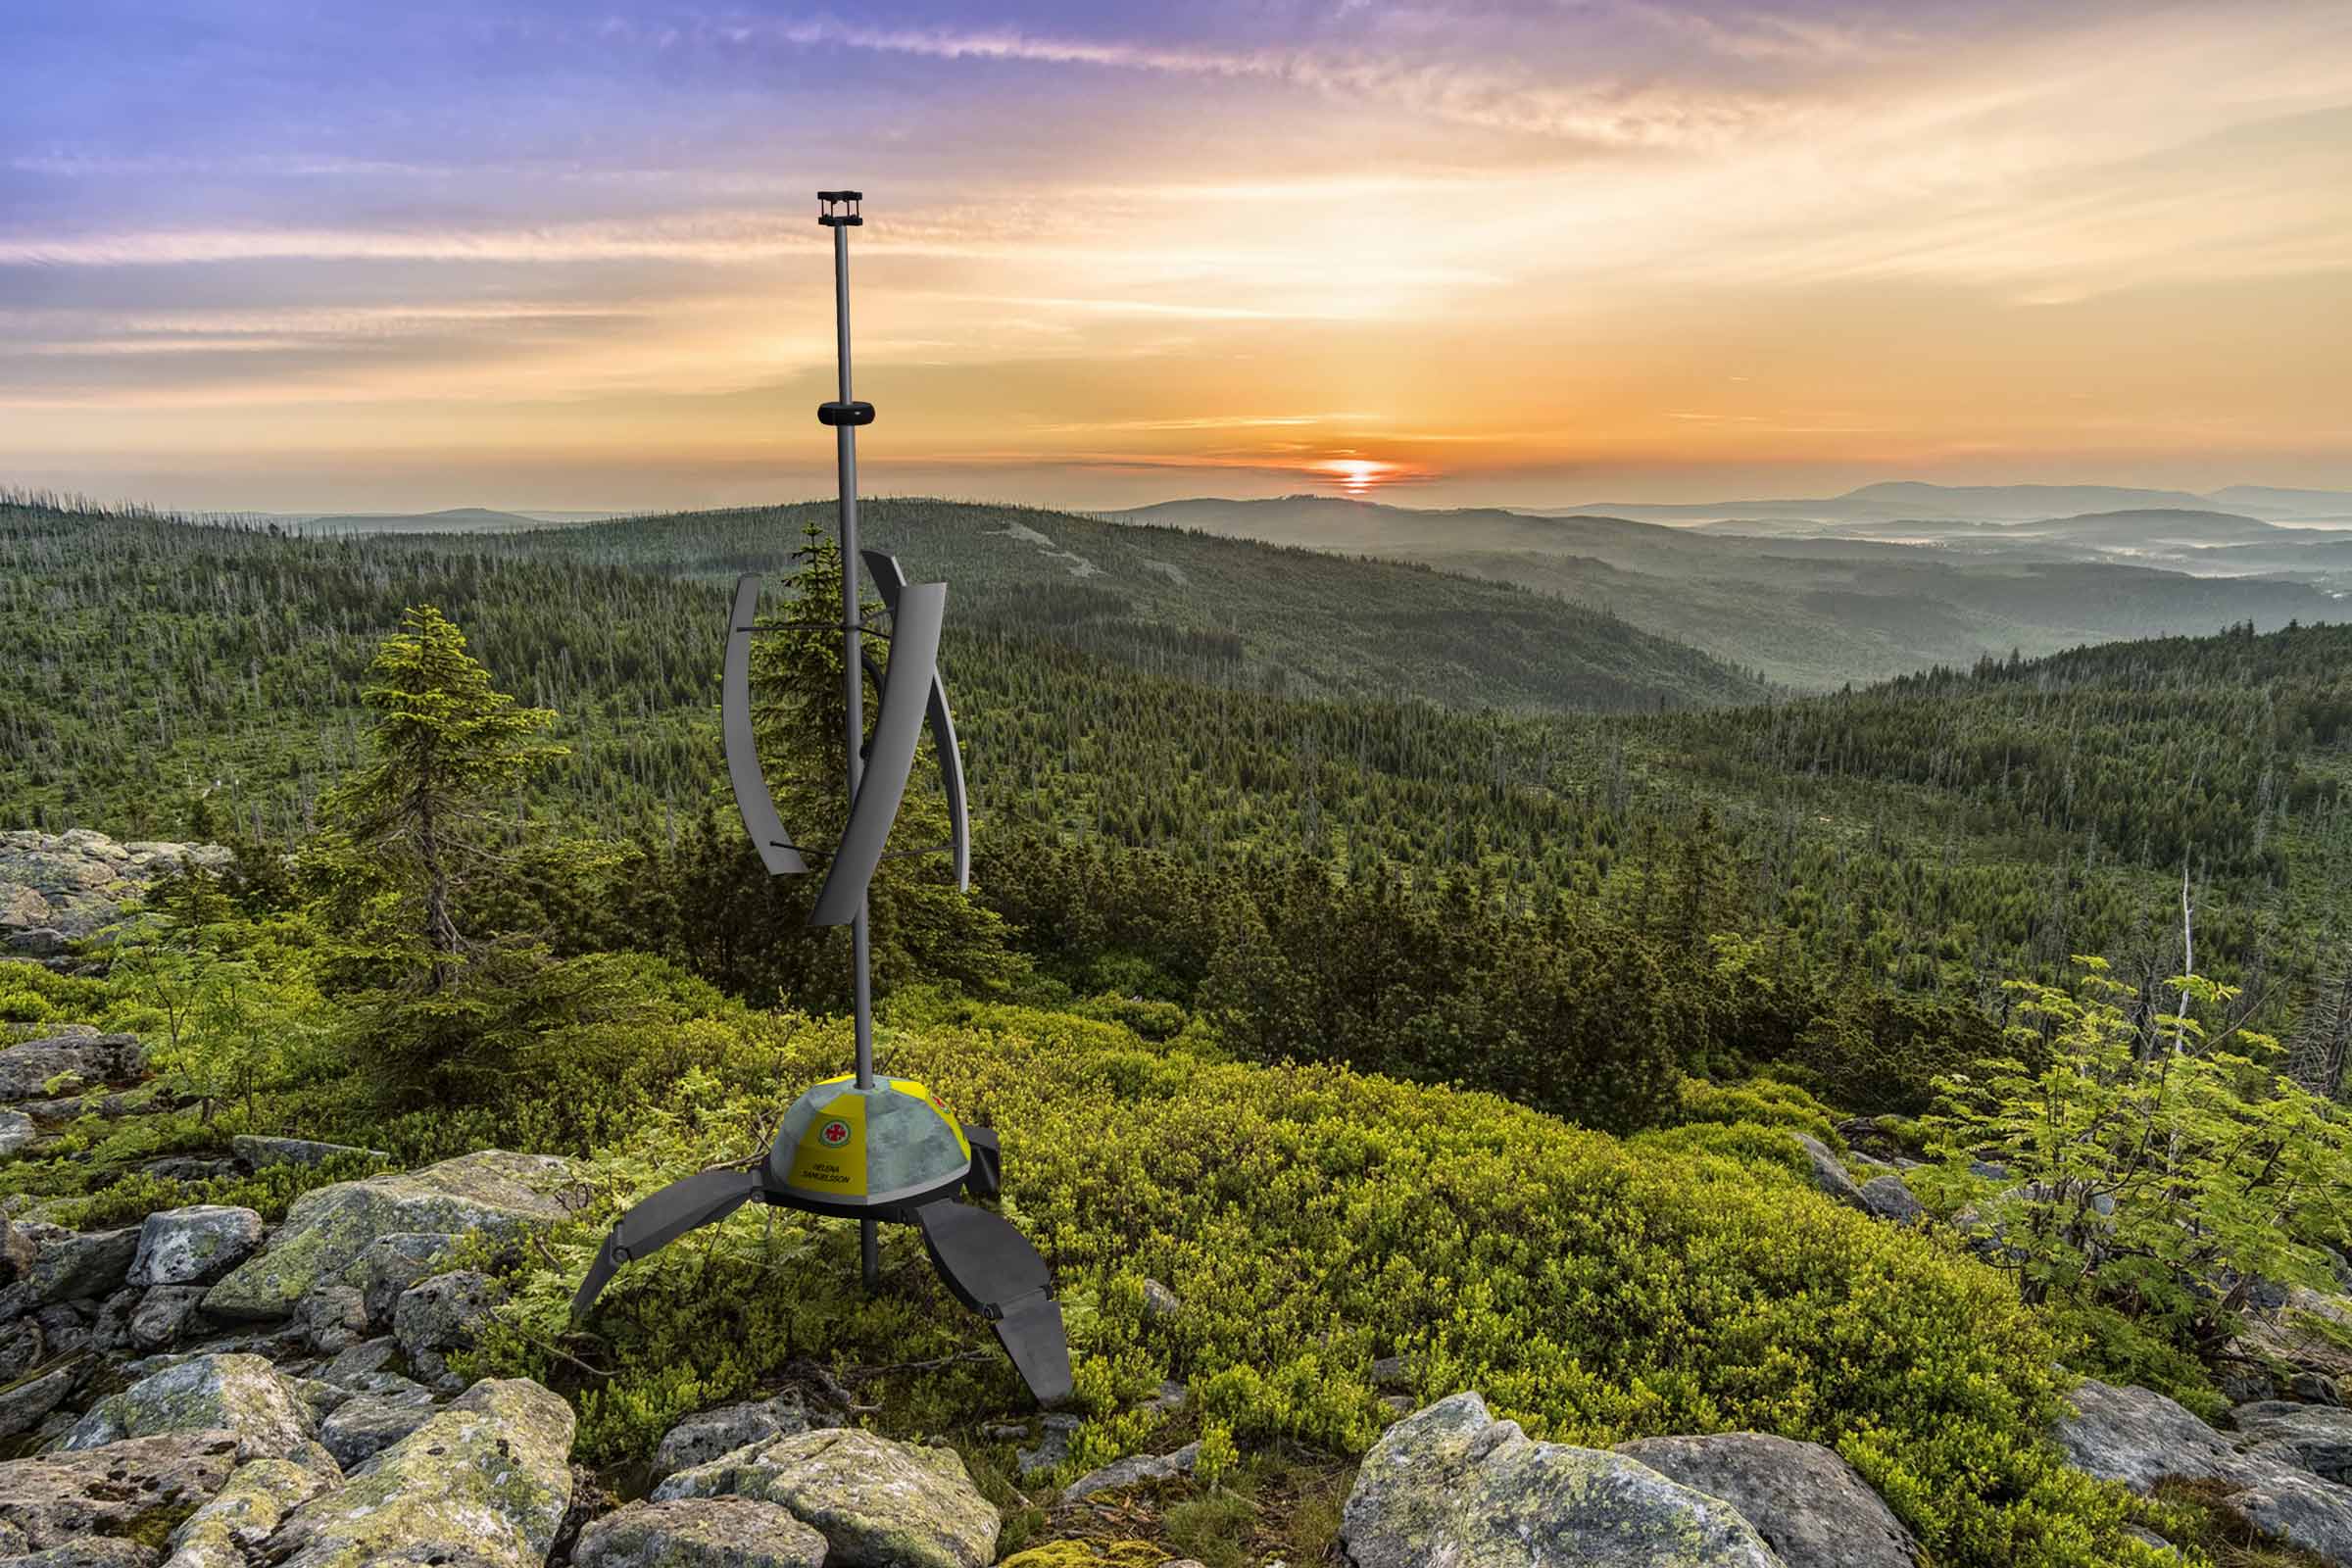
{"points": [[707, 1434], [39, 1070], [2137, 1437], [879, 1503], [56, 1499], [1810, 1506], [700, 1532], [241, 1393], [328, 1231], [484, 1484], [1452, 1485]]}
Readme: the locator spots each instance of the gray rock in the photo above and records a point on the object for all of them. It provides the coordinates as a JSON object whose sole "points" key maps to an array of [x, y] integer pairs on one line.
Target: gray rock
{"points": [[329, 1229], [25, 1402], [2138, 1437], [879, 1503], [323, 1398], [1891, 1198], [395, 1262], [1159, 1301], [1051, 1450], [2314, 1388], [1392, 1374], [2317, 1438], [195, 1244], [80, 1265], [364, 1425], [2296, 1506], [98, 1552], [18, 1253], [110, 1329], [163, 1314], [334, 1319], [700, 1532], [1810, 1506], [20, 1349], [230, 1530], [484, 1482], [443, 1313], [59, 1498], [361, 1359], [1134, 1470], [187, 1168], [17, 1132], [259, 1153], [38, 1069], [64, 1328], [242, 1394], [1829, 1172], [1452, 1485], [707, 1434]]}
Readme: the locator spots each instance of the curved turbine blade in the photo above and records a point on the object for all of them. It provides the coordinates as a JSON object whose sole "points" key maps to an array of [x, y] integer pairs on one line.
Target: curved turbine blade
{"points": [[889, 754], [703, 1198], [751, 800], [890, 579]]}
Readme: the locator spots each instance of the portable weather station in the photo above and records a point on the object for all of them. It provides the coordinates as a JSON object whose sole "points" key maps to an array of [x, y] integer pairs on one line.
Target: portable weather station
{"points": [[863, 1147]]}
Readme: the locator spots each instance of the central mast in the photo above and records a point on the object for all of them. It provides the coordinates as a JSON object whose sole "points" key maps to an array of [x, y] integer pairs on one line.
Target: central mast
{"points": [[840, 214]]}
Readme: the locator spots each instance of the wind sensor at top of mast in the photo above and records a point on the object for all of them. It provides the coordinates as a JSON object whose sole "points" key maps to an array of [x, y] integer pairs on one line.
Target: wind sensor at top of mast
{"points": [[862, 1147]]}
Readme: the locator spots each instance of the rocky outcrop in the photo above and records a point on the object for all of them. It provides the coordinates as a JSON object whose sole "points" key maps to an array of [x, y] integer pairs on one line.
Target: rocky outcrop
{"points": [[709, 1433], [1450, 1483], [2317, 1438], [1810, 1506], [243, 1395], [230, 1530], [879, 1503], [79, 1265], [192, 1246], [484, 1482], [330, 1230], [57, 1500], [700, 1532], [259, 1153], [58, 886]]}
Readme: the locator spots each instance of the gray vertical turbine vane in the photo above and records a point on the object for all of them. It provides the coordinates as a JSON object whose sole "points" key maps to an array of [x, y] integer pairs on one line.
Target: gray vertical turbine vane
{"points": [[862, 1146]]}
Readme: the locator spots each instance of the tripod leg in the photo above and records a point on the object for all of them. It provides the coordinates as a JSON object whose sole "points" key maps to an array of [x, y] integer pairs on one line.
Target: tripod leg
{"points": [[703, 1198], [993, 1269]]}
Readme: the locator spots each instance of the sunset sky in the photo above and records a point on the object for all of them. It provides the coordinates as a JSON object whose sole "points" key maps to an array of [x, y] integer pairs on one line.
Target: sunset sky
{"points": [[377, 256]]}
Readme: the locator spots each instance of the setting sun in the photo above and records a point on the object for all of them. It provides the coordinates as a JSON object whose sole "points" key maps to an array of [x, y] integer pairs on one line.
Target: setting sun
{"points": [[1357, 476]]}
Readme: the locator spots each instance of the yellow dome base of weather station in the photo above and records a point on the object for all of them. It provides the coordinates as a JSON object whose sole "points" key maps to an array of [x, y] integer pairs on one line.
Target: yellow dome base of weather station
{"points": [[849, 1150]]}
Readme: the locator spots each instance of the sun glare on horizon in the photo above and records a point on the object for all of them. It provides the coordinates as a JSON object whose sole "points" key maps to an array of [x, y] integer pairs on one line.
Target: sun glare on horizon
{"points": [[1358, 476]]}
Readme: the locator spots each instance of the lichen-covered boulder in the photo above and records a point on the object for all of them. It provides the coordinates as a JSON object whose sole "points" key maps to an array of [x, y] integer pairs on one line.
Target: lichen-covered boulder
{"points": [[188, 1246], [879, 1503], [707, 1434], [2138, 1437], [1452, 1485], [79, 1265], [57, 1499], [700, 1532], [394, 1263], [443, 1313], [25, 1401], [329, 1229], [243, 1394], [79, 880], [1811, 1507], [39, 1070], [333, 1319], [100, 1551], [230, 1530], [367, 1424], [485, 1481]]}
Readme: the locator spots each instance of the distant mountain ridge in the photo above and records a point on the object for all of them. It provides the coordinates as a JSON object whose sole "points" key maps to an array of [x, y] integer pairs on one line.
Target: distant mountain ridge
{"points": [[1906, 500]]}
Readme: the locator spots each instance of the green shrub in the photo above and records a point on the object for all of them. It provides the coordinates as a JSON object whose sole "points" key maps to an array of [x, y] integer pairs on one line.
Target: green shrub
{"points": [[1310, 1220], [1764, 1102]]}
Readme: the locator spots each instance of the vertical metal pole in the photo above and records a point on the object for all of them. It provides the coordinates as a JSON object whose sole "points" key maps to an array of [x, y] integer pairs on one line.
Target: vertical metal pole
{"points": [[845, 437]]}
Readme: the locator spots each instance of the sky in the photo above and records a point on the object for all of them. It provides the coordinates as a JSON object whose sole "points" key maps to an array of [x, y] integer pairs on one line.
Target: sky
{"points": [[363, 257]]}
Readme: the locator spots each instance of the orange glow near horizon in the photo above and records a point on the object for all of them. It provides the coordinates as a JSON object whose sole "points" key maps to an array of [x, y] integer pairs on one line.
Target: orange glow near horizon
{"points": [[1813, 248]]}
